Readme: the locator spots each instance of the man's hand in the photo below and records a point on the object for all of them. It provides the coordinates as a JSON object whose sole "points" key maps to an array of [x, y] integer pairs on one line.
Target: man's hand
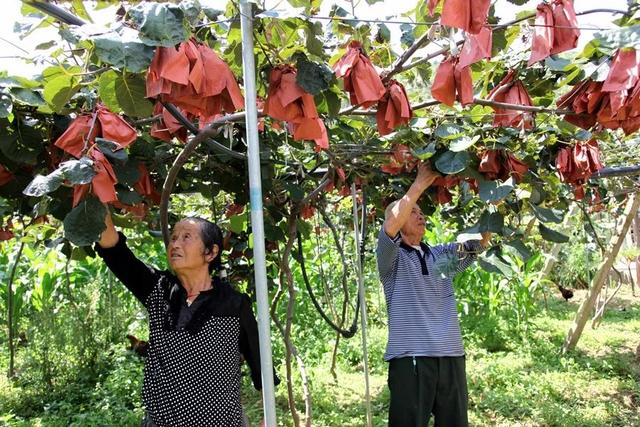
{"points": [[425, 176], [486, 238]]}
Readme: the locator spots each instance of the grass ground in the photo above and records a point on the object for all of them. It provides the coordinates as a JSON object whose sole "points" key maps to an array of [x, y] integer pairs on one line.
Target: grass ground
{"points": [[527, 384], [531, 384]]}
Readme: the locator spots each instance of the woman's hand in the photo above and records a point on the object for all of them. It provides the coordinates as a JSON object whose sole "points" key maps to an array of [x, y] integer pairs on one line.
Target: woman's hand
{"points": [[109, 237]]}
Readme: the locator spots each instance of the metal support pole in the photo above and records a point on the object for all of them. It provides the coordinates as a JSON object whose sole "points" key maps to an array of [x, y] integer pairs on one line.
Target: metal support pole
{"points": [[363, 305], [257, 225]]}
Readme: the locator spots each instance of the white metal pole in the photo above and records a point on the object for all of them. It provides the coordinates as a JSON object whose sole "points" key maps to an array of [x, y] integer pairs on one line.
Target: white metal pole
{"points": [[257, 225]]}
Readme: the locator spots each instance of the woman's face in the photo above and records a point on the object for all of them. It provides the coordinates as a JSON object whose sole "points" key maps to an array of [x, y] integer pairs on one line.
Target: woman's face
{"points": [[186, 250]]}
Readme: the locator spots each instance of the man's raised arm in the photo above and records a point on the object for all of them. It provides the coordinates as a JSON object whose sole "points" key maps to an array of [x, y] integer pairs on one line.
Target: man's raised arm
{"points": [[400, 212]]}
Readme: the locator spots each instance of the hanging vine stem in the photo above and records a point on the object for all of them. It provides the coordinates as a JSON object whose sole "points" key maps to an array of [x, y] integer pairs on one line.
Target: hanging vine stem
{"points": [[291, 350], [12, 275], [402, 68]]}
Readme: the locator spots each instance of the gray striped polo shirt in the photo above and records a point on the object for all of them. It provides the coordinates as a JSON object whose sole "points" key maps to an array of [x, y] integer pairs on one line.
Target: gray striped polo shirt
{"points": [[421, 305]]}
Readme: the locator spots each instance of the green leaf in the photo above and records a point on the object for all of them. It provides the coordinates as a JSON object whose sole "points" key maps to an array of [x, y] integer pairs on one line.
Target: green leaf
{"points": [[449, 131], [28, 97], [238, 223], [518, 2], [491, 222], [80, 10], [59, 90], [333, 103], [129, 197], [314, 44], [619, 38], [78, 171], [463, 143], [426, 152], [547, 215], [313, 77], [127, 173], [6, 106], [383, 34], [522, 250], [112, 151], [123, 51], [191, 10], [407, 38], [75, 171], [160, 24], [124, 94], [450, 163], [552, 235], [493, 262], [493, 191], [23, 146], [41, 184], [84, 224]]}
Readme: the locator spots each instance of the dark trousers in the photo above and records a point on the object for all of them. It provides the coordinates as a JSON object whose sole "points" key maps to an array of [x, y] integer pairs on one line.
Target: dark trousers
{"points": [[421, 386]]}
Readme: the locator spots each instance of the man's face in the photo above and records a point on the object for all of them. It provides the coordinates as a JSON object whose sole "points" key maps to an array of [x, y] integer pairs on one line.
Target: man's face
{"points": [[415, 225]]}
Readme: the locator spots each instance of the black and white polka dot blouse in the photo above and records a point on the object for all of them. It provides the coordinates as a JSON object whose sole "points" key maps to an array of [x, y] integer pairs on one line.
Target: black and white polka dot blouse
{"points": [[192, 371]]}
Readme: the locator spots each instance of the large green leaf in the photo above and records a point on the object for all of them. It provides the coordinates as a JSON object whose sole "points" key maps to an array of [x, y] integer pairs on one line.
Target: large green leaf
{"points": [[450, 163], [547, 215], [75, 171], [124, 94], [426, 152], [552, 235], [59, 90], [449, 131], [160, 24], [112, 151], [463, 143], [127, 173], [23, 146], [78, 171], [491, 222], [123, 51], [619, 37], [494, 191], [84, 224], [28, 97], [44, 184], [313, 77], [493, 262], [522, 250]]}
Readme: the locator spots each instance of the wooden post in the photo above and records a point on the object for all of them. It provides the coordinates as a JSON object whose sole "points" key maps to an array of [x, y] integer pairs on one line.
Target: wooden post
{"points": [[636, 236], [584, 311]]}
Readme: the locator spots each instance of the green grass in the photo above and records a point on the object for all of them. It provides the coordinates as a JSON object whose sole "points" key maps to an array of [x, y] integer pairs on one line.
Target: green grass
{"points": [[530, 384]]}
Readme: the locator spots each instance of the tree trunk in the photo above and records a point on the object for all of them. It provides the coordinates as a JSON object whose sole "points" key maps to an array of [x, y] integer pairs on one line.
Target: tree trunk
{"points": [[10, 320], [584, 311]]}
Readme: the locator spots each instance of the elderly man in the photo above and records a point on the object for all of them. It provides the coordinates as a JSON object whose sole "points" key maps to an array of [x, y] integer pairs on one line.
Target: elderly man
{"points": [[424, 347]]}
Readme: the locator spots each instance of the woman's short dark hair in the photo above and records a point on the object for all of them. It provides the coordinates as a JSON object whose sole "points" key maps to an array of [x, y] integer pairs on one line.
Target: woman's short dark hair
{"points": [[211, 235]]}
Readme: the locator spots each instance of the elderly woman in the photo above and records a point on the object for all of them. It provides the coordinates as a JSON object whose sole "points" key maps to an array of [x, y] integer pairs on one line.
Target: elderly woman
{"points": [[199, 327]]}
